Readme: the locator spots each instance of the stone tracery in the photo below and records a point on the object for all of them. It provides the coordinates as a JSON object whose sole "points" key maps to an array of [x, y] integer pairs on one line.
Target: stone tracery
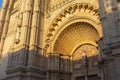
{"points": [[56, 3]]}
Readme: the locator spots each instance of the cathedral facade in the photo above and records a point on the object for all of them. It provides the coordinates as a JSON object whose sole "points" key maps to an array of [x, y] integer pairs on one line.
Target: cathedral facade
{"points": [[60, 40]]}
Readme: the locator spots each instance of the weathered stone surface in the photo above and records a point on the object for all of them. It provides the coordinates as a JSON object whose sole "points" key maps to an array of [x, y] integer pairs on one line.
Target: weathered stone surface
{"points": [[60, 40]]}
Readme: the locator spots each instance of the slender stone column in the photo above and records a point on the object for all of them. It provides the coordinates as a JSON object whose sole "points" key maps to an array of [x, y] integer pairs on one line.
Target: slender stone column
{"points": [[26, 23], [6, 23], [3, 15], [35, 25], [34, 45]]}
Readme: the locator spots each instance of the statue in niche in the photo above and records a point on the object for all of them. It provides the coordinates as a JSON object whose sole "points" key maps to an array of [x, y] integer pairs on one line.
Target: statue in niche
{"points": [[17, 38]]}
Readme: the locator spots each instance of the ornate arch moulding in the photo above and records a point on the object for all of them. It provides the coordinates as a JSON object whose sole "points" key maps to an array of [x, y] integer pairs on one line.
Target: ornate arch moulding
{"points": [[82, 41], [89, 49], [81, 45], [58, 24]]}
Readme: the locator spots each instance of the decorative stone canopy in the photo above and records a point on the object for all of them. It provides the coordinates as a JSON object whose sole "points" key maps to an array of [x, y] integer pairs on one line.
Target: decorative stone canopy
{"points": [[75, 35]]}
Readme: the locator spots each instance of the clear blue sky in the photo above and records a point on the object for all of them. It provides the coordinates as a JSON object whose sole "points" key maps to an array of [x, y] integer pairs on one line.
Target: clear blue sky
{"points": [[1, 3]]}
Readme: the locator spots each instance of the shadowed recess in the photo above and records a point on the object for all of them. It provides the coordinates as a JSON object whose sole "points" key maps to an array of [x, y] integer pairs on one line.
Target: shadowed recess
{"points": [[75, 35]]}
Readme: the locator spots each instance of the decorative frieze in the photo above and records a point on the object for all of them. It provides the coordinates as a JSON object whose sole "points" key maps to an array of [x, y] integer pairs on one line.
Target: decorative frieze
{"points": [[55, 4]]}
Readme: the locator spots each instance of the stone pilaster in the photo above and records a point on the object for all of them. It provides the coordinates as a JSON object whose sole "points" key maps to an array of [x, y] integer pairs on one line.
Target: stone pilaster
{"points": [[26, 23], [6, 23], [58, 67], [53, 66], [26, 62], [35, 29], [17, 30], [22, 24], [110, 21], [12, 60], [35, 57], [3, 15], [22, 35], [110, 54], [17, 65]]}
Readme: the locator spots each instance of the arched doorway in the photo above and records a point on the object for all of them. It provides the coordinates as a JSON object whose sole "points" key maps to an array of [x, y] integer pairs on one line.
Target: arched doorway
{"points": [[74, 40], [74, 31], [86, 66]]}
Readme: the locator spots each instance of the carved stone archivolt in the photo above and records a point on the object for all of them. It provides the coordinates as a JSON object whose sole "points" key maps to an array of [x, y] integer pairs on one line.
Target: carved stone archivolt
{"points": [[72, 28], [72, 11]]}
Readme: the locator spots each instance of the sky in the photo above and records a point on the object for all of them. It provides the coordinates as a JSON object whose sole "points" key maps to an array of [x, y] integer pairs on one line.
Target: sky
{"points": [[1, 3]]}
